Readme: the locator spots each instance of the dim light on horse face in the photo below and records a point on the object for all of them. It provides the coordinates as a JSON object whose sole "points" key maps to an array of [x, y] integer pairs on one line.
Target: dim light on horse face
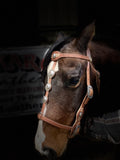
{"points": [[64, 100]]}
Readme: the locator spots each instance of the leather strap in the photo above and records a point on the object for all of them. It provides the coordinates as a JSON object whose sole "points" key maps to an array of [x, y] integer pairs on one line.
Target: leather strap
{"points": [[56, 124], [56, 55]]}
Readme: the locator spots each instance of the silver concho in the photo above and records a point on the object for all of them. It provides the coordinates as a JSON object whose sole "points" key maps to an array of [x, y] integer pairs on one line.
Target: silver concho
{"points": [[80, 114], [48, 87], [54, 56], [51, 74], [45, 99]]}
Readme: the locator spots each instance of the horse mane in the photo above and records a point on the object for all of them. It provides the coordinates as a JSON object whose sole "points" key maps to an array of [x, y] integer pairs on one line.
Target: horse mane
{"points": [[107, 61]]}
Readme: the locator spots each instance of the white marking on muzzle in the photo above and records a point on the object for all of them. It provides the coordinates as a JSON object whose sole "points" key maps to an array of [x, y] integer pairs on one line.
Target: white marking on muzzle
{"points": [[40, 136]]}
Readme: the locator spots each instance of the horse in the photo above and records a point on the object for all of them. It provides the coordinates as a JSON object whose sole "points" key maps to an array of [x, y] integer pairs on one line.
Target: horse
{"points": [[80, 80]]}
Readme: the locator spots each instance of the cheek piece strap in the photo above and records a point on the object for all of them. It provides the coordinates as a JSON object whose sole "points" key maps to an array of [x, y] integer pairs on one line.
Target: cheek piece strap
{"points": [[56, 56]]}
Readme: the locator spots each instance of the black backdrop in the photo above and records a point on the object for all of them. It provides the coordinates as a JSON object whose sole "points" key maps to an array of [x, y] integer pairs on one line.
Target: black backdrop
{"points": [[24, 23]]}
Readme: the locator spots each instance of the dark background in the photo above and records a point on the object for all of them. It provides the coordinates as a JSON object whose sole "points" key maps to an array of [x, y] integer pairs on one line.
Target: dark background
{"points": [[26, 23], [29, 22]]}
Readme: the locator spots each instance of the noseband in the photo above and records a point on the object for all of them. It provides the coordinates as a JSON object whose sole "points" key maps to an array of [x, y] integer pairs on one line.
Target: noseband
{"points": [[56, 56]]}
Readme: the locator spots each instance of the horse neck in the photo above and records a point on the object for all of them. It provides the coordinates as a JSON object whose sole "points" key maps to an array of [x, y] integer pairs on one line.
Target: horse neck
{"points": [[107, 61], [103, 55]]}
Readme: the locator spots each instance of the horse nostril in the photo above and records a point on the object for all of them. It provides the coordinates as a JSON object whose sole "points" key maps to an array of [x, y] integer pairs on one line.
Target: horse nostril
{"points": [[51, 154]]}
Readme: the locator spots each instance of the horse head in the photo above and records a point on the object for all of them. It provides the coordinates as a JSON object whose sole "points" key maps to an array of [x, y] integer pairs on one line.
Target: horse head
{"points": [[66, 86]]}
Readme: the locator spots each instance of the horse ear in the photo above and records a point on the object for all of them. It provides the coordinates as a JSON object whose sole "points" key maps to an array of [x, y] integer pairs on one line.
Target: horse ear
{"points": [[85, 37]]}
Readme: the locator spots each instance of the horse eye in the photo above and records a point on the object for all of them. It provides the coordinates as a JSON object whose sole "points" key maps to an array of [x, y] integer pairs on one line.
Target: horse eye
{"points": [[73, 81]]}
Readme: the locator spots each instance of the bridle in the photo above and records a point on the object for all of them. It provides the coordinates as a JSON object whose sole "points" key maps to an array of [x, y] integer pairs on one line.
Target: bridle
{"points": [[55, 57]]}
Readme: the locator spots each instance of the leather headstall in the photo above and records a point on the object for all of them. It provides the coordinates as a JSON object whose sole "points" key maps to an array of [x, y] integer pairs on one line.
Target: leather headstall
{"points": [[55, 57]]}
